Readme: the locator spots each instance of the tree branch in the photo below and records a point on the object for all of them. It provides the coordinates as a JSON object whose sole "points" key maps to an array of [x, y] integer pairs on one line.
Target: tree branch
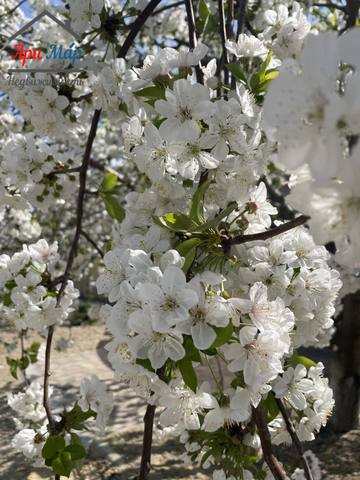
{"points": [[63, 171], [92, 243], [229, 19], [265, 438], [147, 441], [139, 22], [228, 242], [242, 17], [192, 37], [329, 5], [71, 258], [295, 439], [352, 11], [222, 29], [167, 7]]}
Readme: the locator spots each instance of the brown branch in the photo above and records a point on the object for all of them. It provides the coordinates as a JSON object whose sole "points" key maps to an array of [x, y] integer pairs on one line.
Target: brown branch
{"points": [[222, 30], [242, 17], [352, 11], [147, 441], [71, 258], [295, 439], [265, 438], [139, 22], [190, 17], [46, 402], [92, 243], [103, 168], [64, 171], [229, 19], [239, 239]]}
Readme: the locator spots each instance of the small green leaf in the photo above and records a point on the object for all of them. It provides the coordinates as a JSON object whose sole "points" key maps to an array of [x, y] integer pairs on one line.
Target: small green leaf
{"points": [[174, 223], [62, 464], [197, 204], [157, 93], [296, 359], [223, 335], [109, 181], [264, 66], [270, 408], [210, 352], [237, 71], [215, 221], [53, 446], [76, 440], [76, 451], [188, 373], [188, 245], [204, 10], [114, 209], [24, 362]]}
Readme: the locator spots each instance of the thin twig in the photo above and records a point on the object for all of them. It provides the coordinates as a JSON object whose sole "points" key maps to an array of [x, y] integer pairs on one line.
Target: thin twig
{"points": [[229, 19], [265, 438], [100, 252], [167, 7], [139, 22], [65, 171], [239, 239], [295, 439], [46, 402], [13, 9], [192, 37]]}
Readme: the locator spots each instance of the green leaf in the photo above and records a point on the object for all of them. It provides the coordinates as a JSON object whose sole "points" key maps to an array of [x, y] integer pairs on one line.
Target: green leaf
{"points": [[197, 204], [237, 71], [188, 245], [189, 346], [34, 347], [188, 373], [296, 359], [76, 451], [204, 10], [76, 440], [62, 464], [264, 66], [223, 335], [114, 209], [53, 446], [156, 93], [174, 223], [270, 408], [109, 181], [24, 362], [215, 221], [7, 300], [210, 352]]}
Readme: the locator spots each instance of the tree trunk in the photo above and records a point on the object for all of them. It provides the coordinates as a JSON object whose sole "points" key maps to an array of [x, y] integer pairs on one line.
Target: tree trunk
{"points": [[345, 367]]}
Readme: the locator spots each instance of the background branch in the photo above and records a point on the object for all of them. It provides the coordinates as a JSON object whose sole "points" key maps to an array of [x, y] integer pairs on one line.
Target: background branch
{"points": [[295, 439], [192, 37]]}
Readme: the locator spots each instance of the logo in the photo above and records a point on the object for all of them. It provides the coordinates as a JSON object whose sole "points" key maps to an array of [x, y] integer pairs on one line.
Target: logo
{"points": [[55, 50]]}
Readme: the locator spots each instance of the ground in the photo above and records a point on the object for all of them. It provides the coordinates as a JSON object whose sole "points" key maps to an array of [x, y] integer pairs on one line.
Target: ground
{"points": [[116, 456]]}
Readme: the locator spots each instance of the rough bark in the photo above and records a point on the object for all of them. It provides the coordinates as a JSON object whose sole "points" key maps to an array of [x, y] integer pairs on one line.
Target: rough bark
{"points": [[345, 367]]}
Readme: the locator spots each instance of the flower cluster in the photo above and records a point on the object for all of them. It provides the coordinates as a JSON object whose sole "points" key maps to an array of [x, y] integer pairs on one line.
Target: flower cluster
{"points": [[29, 303]]}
